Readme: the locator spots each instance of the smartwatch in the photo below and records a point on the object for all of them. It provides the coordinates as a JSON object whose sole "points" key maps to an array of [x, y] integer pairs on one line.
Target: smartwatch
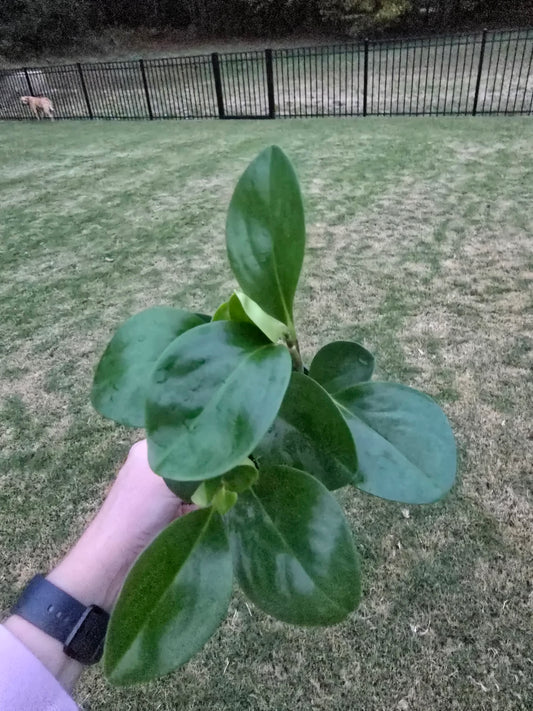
{"points": [[79, 628]]}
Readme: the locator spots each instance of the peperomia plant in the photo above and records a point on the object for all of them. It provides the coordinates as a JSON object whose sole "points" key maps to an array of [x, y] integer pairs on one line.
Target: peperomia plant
{"points": [[238, 425]]}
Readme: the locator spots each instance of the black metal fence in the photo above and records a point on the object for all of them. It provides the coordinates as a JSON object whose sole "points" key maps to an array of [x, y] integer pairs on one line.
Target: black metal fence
{"points": [[483, 73]]}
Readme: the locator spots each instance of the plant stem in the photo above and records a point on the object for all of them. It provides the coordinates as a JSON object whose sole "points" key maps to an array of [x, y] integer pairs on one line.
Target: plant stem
{"points": [[294, 350]]}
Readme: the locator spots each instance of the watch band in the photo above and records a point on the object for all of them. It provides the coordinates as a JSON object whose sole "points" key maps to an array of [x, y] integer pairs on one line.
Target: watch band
{"points": [[81, 629]]}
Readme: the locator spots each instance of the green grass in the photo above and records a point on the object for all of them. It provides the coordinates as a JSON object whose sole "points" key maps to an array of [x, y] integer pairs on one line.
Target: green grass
{"points": [[419, 245]]}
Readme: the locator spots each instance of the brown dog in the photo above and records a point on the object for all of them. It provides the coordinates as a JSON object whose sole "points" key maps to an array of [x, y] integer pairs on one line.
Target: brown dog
{"points": [[39, 105]]}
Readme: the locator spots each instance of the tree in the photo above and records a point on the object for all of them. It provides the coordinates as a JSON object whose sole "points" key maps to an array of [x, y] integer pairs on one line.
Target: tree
{"points": [[31, 26], [361, 16]]}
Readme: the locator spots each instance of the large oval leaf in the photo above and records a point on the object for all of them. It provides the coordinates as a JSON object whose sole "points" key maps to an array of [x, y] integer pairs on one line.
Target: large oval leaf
{"points": [[213, 394], [341, 364], [405, 445], [174, 598], [265, 233], [310, 433], [119, 388], [293, 551]]}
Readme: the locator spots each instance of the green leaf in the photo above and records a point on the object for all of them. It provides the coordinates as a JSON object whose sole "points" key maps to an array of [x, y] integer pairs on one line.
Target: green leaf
{"points": [[119, 388], [310, 433], [204, 494], [265, 233], [236, 311], [405, 445], [222, 313], [224, 500], [293, 551], [242, 308], [174, 598], [213, 394], [241, 477], [183, 489], [201, 493], [340, 365]]}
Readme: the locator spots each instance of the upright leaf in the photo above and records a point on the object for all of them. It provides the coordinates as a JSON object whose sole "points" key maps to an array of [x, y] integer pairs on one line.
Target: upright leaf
{"points": [[405, 445], [119, 388], [265, 233], [174, 598], [213, 394], [242, 308], [293, 551], [310, 433], [341, 364]]}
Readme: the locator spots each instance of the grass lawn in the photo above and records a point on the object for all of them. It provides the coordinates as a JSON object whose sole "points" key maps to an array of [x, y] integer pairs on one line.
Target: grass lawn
{"points": [[419, 246]]}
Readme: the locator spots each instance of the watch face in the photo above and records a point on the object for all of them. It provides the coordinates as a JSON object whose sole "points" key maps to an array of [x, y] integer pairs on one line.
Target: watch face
{"points": [[85, 643]]}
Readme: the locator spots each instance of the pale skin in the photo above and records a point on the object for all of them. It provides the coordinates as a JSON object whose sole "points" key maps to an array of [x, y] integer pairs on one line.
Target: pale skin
{"points": [[138, 506]]}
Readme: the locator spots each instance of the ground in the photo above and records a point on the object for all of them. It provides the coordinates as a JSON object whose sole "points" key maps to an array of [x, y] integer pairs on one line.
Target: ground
{"points": [[419, 246]]}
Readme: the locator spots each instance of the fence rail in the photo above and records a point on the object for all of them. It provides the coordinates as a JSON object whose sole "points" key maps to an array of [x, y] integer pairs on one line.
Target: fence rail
{"points": [[482, 73]]}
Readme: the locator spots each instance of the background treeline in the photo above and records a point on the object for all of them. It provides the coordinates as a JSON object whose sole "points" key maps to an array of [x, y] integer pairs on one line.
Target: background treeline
{"points": [[30, 27]]}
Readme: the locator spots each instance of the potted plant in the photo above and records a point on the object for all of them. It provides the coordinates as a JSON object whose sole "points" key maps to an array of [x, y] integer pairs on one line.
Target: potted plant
{"points": [[238, 425]]}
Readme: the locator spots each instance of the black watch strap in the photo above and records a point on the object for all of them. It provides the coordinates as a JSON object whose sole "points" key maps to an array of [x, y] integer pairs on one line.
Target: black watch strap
{"points": [[81, 629]]}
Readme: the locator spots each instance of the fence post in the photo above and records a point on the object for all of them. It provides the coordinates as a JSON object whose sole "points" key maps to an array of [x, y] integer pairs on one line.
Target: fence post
{"points": [[85, 92], [365, 80], [480, 67], [146, 92], [29, 82], [218, 85], [270, 84]]}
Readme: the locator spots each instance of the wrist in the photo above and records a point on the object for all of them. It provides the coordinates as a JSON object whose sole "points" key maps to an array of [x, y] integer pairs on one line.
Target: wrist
{"points": [[93, 571]]}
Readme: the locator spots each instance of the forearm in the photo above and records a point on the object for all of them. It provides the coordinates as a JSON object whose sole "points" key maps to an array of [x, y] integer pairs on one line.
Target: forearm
{"points": [[138, 506], [92, 573]]}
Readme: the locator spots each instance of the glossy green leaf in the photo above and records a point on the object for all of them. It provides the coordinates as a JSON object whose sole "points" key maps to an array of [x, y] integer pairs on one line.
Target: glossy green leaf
{"points": [[341, 364], [174, 598], [310, 433], [245, 308], [213, 394], [405, 445], [265, 233], [119, 388], [293, 551]]}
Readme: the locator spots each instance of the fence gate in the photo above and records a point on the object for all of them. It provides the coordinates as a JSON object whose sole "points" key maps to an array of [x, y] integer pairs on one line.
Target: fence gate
{"points": [[244, 84]]}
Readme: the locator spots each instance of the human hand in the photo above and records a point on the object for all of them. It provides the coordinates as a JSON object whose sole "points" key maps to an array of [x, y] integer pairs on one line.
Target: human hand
{"points": [[138, 506]]}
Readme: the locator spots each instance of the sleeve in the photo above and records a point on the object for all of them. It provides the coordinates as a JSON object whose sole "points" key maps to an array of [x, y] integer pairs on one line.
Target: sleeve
{"points": [[25, 683]]}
